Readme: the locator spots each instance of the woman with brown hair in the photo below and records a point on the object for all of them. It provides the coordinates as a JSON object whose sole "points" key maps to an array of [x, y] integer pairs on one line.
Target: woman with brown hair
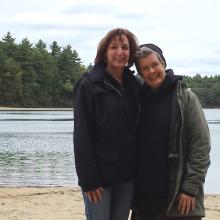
{"points": [[106, 111]]}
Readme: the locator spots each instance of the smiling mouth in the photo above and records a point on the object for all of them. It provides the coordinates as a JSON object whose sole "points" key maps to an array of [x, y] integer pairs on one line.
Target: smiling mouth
{"points": [[121, 60], [153, 77]]}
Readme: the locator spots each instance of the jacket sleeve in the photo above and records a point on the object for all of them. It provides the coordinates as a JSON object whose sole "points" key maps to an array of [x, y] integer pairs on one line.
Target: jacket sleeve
{"points": [[197, 144], [86, 168]]}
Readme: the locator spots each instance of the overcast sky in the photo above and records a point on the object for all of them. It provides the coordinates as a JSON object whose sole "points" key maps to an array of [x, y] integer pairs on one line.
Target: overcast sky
{"points": [[187, 30]]}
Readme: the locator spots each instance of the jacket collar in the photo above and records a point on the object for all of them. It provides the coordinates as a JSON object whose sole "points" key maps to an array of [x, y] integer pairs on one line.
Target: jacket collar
{"points": [[99, 72]]}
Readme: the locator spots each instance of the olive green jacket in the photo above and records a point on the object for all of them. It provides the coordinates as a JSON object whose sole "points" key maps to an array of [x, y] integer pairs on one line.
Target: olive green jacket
{"points": [[189, 150]]}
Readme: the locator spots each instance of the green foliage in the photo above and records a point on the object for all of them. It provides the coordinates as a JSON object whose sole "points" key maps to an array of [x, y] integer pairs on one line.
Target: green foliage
{"points": [[41, 45], [55, 49], [206, 88], [89, 67], [32, 76], [10, 83]]}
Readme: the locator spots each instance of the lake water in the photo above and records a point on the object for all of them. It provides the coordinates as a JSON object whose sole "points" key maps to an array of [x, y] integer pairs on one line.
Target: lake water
{"points": [[36, 149]]}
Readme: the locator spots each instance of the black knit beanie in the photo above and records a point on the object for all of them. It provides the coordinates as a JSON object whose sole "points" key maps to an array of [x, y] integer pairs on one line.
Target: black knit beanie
{"points": [[156, 49]]}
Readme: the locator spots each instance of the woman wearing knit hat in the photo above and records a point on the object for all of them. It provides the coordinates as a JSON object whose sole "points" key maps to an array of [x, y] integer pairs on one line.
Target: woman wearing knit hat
{"points": [[173, 143]]}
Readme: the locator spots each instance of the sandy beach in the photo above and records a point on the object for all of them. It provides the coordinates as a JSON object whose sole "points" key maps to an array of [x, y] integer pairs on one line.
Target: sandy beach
{"points": [[55, 203]]}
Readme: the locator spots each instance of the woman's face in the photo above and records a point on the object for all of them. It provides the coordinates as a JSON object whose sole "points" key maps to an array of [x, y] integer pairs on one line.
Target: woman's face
{"points": [[152, 70], [118, 53]]}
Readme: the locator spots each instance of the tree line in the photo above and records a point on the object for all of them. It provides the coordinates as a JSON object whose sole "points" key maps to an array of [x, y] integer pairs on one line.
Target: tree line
{"points": [[31, 75], [206, 88]]}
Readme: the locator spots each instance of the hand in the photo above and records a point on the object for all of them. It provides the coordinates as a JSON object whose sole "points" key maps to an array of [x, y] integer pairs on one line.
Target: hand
{"points": [[95, 195], [186, 203]]}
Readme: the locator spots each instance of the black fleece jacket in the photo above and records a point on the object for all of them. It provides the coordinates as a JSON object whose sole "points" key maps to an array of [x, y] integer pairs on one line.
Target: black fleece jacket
{"points": [[153, 138], [105, 121]]}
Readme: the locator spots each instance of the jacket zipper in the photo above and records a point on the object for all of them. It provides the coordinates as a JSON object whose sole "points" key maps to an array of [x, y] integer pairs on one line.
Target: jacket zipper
{"points": [[179, 98], [116, 90], [113, 88]]}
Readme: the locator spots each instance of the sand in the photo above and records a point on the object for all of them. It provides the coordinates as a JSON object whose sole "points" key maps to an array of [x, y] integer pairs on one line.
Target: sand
{"points": [[56, 203]]}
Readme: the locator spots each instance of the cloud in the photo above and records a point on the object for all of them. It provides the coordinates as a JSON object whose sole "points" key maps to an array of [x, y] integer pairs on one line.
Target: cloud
{"points": [[186, 30]]}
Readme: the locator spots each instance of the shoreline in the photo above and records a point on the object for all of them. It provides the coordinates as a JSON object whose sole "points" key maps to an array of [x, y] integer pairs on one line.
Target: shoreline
{"points": [[34, 109], [5, 108], [57, 202]]}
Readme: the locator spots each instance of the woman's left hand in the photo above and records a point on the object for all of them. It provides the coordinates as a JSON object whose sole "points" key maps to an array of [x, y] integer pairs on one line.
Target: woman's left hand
{"points": [[186, 203]]}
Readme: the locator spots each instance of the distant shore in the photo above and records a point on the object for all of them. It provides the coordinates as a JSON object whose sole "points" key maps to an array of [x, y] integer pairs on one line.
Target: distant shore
{"points": [[3, 108], [34, 109], [64, 203]]}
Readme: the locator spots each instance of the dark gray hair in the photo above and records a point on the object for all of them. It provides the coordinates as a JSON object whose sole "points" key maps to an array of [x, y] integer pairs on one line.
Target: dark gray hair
{"points": [[143, 52]]}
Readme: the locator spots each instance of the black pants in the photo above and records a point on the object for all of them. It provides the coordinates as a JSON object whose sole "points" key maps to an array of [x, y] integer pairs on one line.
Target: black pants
{"points": [[151, 209]]}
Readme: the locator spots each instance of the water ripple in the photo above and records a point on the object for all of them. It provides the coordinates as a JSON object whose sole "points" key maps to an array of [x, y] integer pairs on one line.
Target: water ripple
{"points": [[213, 121], [37, 159], [37, 119]]}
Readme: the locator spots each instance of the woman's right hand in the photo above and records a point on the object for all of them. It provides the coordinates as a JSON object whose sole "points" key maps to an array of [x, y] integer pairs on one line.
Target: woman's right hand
{"points": [[186, 203], [95, 195]]}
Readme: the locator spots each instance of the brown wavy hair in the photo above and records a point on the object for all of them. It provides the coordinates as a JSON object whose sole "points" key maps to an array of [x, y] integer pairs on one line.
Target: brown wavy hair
{"points": [[104, 43]]}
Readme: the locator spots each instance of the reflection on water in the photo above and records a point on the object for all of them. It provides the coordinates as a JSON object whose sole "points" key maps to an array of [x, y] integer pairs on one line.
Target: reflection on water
{"points": [[36, 149], [38, 168]]}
